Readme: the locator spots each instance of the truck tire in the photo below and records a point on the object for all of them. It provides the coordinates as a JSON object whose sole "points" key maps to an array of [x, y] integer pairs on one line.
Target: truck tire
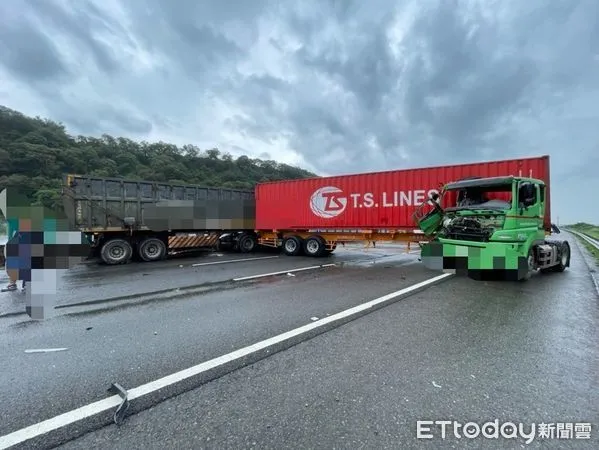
{"points": [[530, 261], [564, 259], [116, 251], [151, 249], [247, 243], [292, 246], [315, 246]]}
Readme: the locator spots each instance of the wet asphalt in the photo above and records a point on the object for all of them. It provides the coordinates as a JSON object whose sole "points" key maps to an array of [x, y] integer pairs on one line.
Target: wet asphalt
{"points": [[133, 343], [91, 282], [463, 350]]}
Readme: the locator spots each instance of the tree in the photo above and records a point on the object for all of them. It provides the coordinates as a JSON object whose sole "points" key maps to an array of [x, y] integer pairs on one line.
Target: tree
{"points": [[36, 153]]}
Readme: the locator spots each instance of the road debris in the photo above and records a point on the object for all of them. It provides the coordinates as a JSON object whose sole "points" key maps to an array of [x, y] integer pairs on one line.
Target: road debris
{"points": [[119, 414]]}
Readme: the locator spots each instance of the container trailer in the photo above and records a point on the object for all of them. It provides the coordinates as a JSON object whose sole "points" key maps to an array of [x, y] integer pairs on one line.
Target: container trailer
{"points": [[311, 216]]}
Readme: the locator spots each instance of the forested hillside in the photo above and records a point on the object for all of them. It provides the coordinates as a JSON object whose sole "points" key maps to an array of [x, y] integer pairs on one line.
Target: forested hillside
{"points": [[35, 153]]}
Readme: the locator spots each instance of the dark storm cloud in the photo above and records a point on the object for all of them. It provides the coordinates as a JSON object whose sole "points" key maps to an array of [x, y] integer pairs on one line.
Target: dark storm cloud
{"points": [[474, 80], [347, 85], [190, 33], [108, 117], [369, 74], [261, 91], [77, 20], [361, 59], [28, 54]]}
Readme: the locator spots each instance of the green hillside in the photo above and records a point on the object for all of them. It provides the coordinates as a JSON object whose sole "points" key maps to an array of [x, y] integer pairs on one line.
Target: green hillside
{"points": [[36, 152], [591, 230]]}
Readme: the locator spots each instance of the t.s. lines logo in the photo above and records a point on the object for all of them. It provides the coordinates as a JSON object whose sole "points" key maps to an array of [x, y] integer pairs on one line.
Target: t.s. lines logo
{"points": [[328, 202]]}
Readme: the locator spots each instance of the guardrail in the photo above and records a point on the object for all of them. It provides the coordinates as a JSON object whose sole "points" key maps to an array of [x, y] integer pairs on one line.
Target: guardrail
{"points": [[594, 242]]}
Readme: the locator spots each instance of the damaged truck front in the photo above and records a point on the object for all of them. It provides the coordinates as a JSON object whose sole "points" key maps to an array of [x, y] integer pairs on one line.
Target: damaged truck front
{"points": [[491, 226]]}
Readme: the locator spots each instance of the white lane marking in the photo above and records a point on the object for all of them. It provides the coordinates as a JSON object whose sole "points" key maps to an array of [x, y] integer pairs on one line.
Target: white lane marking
{"points": [[251, 277], [98, 407], [233, 261], [45, 350], [58, 422]]}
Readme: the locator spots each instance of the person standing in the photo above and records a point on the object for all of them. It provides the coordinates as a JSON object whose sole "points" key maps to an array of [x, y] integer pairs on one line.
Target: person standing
{"points": [[40, 248], [11, 261]]}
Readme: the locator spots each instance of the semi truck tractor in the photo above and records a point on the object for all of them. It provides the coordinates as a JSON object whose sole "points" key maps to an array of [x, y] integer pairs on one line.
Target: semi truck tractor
{"points": [[494, 226]]}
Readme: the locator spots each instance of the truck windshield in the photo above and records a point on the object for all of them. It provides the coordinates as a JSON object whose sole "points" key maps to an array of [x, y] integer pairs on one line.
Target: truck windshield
{"points": [[480, 197]]}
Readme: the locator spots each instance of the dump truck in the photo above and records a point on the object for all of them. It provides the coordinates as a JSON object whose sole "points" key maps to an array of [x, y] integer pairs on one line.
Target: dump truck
{"points": [[492, 226], [128, 220]]}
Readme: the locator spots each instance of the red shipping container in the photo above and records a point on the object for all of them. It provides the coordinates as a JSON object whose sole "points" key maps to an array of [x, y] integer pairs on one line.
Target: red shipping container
{"points": [[376, 200]]}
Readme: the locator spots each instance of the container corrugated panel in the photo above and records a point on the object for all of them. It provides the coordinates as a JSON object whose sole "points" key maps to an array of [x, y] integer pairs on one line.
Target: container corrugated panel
{"points": [[373, 200], [103, 202]]}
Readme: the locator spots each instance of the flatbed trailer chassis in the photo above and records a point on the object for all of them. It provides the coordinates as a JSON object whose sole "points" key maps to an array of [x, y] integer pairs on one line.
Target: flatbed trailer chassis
{"points": [[121, 246]]}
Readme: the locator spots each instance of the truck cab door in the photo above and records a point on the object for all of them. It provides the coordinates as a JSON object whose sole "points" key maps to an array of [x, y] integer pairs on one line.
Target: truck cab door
{"points": [[529, 205], [429, 216]]}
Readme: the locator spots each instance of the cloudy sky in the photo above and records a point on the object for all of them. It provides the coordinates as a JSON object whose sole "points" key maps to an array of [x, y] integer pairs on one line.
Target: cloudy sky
{"points": [[334, 86]]}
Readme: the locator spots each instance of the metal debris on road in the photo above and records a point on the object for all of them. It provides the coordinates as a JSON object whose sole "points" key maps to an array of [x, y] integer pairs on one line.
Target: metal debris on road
{"points": [[119, 414]]}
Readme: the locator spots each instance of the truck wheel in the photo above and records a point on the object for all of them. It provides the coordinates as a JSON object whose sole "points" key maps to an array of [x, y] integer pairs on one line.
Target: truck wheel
{"points": [[315, 246], [292, 246], [565, 258], [151, 249], [530, 260], [116, 251], [247, 243]]}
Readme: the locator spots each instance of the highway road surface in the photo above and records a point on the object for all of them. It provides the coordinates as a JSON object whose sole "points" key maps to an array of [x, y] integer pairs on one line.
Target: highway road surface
{"points": [[458, 350], [92, 282]]}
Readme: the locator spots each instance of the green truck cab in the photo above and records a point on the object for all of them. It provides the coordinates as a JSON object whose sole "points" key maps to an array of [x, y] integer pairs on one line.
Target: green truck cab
{"points": [[491, 226]]}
